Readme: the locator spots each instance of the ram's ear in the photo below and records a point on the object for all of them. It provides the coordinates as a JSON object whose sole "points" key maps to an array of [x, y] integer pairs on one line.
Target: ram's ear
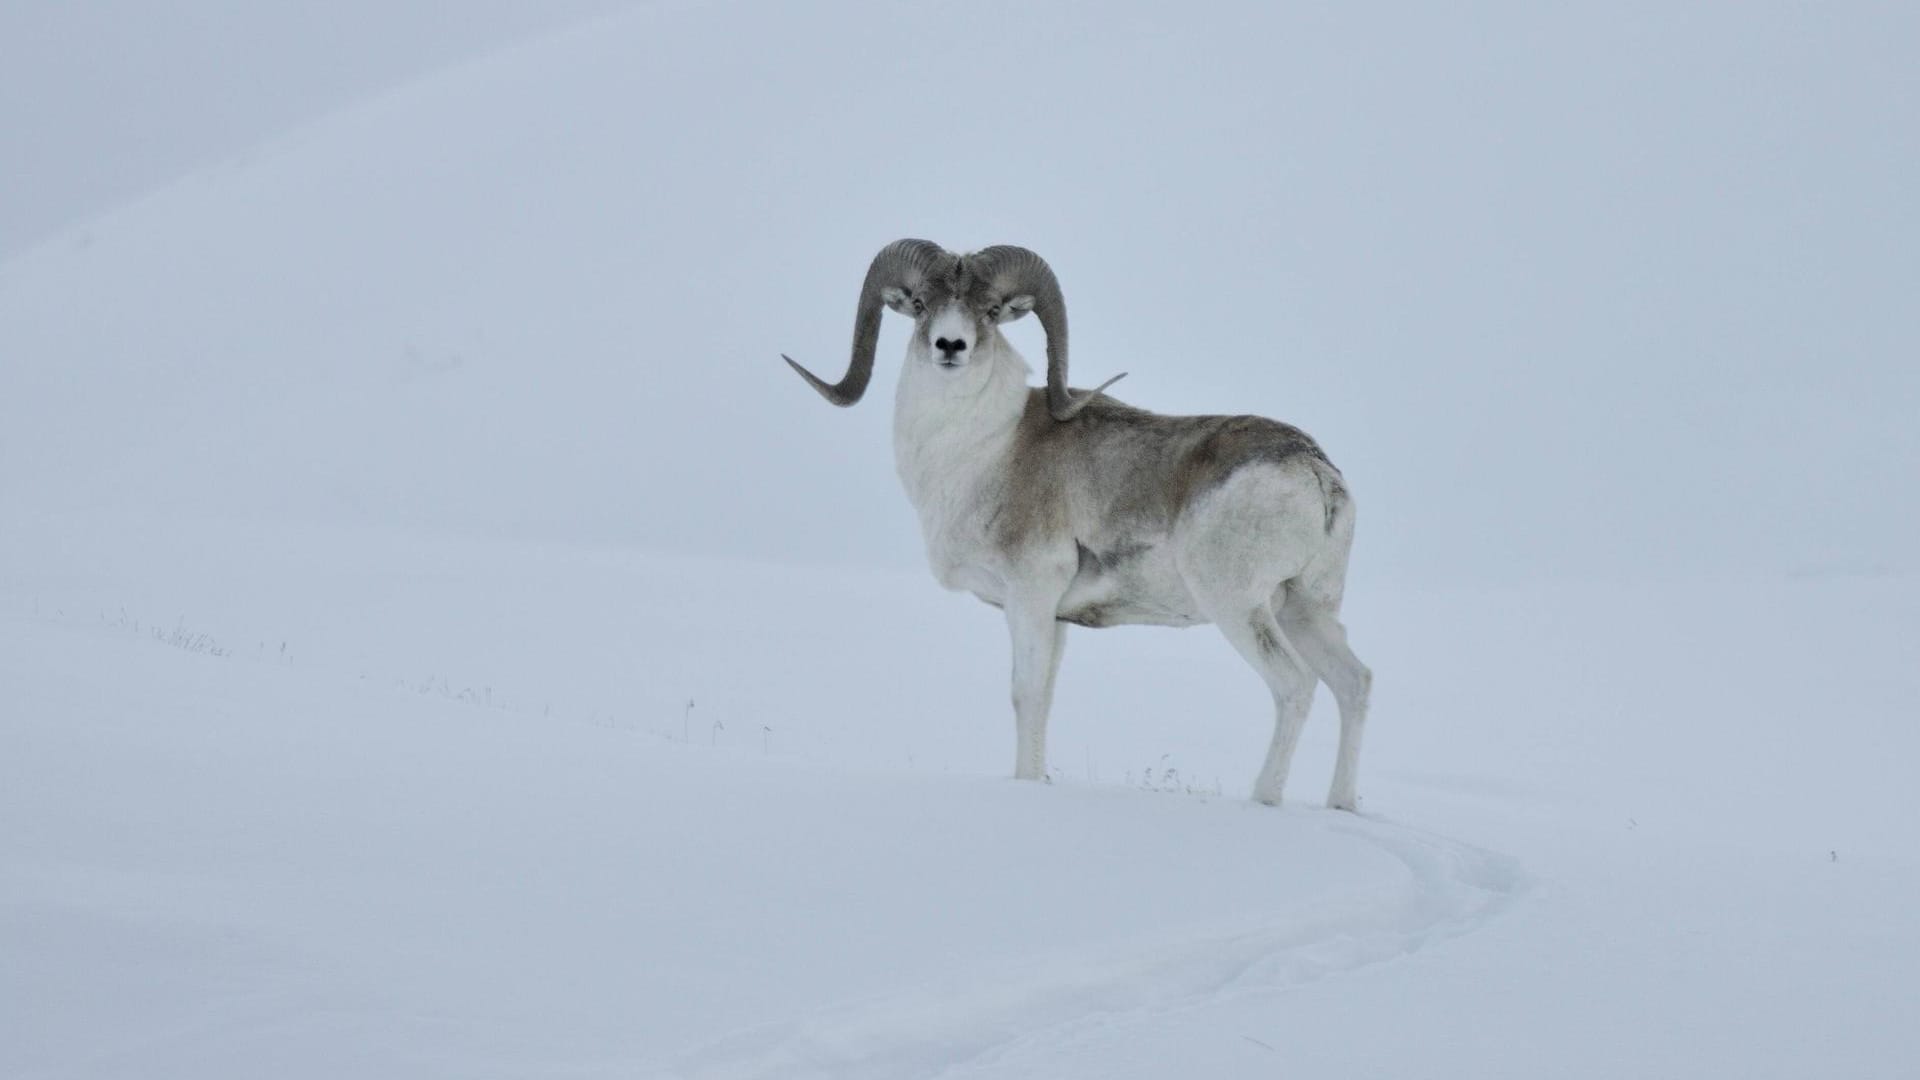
{"points": [[901, 299], [1014, 307]]}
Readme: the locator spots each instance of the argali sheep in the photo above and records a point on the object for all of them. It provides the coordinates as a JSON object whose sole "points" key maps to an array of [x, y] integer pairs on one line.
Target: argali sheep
{"points": [[1061, 506]]}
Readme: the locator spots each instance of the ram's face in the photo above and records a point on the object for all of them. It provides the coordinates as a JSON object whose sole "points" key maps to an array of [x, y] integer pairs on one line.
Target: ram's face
{"points": [[953, 314]]}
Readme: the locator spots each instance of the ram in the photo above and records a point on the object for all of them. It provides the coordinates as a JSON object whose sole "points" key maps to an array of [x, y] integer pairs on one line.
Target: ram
{"points": [[1060, 506]]}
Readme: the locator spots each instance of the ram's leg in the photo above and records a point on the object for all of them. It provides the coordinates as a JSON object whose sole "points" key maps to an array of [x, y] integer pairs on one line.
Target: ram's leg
{"points": [[1257, 636], [1313, 629], [1038, 640]]}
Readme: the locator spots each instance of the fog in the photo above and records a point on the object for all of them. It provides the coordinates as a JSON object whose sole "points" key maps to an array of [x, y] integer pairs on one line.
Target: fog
{"points": [[102, 100], [1610, 292], [440, 637]]}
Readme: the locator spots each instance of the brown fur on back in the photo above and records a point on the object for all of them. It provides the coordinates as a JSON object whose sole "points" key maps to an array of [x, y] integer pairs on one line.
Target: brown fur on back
{"points": [[1150, 468]]}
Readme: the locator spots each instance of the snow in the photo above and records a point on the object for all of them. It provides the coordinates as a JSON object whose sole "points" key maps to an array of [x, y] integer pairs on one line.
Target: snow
{"points": [[101, 100], [426, 653], [463, 824], [336, 878]]}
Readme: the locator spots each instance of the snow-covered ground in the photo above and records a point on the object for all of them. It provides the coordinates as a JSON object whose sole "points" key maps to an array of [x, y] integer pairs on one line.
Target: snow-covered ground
{"points": [[439, 639], [314, 804]]}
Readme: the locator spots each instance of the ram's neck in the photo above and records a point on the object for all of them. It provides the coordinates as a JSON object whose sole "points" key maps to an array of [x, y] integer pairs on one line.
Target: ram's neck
{"points": [[951, 430]]}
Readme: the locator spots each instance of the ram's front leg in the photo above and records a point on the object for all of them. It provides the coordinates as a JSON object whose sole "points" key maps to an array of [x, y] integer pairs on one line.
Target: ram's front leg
{"points": [[1038, 640]]}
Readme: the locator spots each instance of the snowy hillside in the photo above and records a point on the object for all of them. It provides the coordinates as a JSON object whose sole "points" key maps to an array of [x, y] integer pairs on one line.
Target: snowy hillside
{"points": [[329, 879], [441, 639], [393, 806]]}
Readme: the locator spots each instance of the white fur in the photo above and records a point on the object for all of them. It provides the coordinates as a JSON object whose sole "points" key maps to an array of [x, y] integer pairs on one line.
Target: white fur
{"points": [[1256, 556]]}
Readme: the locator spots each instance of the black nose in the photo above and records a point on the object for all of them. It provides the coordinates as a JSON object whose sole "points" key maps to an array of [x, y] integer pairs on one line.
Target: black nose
{"points": [[949, 347]]}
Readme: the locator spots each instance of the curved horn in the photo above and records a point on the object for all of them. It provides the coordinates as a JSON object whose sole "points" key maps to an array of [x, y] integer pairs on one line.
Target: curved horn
{"points": [[1014, 270], [901, 263]]}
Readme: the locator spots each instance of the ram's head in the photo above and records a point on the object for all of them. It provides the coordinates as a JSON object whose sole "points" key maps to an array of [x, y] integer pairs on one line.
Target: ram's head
{"points": [[954, 302]]}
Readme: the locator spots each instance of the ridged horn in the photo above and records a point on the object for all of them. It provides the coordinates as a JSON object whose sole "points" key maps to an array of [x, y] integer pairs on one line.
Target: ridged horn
{"points": [[1015, 270], [904, 263]]}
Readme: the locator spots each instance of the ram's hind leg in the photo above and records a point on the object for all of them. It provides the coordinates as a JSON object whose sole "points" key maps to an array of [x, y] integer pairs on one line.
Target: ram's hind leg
{"points": [[1317, 633], [1238, 545], [1256, 633]]}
